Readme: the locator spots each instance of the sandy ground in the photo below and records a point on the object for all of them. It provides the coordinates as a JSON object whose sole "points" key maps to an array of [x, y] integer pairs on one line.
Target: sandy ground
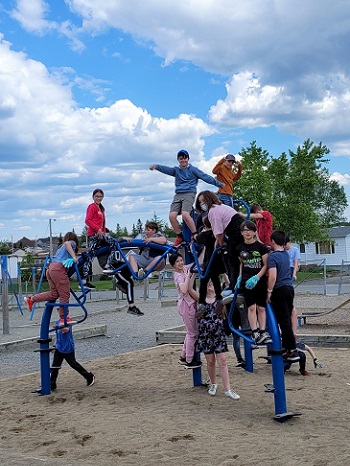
{"points": [[144, 410]]}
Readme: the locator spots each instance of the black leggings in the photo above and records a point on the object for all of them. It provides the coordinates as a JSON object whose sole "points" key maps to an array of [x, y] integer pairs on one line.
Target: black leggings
{"points": [[59, 357]]}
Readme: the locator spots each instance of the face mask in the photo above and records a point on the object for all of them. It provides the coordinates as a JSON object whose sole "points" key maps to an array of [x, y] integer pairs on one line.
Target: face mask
{"points": [[204, 207]]}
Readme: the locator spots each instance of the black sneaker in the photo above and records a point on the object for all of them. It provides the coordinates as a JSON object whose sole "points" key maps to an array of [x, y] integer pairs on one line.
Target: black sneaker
{"points": [[88, 286], [264, 338], [256, 336], [193, 364], [90, 379], [121, 287], [135, 311], [240, 363], [182, 361], [291, 356]]}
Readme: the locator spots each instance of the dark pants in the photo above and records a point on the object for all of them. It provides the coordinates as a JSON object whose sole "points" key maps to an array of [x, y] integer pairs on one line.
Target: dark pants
{"points": [[282, 305], [234, 238], [58, 358]]}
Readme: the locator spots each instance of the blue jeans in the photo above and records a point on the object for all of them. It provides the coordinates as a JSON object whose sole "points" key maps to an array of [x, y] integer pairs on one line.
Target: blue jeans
{"points": [[226, 199]]}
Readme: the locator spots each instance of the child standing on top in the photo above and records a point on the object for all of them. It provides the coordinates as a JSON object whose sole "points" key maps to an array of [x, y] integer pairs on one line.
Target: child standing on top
{"points": [[253, 265], [227, 170], [186, 180]]}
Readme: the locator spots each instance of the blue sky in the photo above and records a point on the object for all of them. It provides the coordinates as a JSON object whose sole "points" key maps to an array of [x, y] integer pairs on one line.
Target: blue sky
{"points": [[93, 92]]}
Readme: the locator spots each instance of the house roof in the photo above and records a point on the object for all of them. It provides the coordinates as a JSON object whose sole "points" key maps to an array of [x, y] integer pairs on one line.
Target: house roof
{"points": [[339, 232]]}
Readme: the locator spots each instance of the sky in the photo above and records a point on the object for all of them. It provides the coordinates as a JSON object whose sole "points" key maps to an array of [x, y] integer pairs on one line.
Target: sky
{"points": [[93, 92]]}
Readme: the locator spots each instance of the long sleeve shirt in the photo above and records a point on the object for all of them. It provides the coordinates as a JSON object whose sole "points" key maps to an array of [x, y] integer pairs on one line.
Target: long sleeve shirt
{"points": [[95, 219], [227, 176], [186, 179]]}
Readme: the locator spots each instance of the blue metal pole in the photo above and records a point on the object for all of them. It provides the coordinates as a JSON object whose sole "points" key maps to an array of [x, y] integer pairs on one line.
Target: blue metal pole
{"points": [[45, 349], [277, 363]]}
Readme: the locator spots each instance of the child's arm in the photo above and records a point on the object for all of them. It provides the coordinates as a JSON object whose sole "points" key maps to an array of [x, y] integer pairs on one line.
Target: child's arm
{"points": [[207, 178], [164, 169], [271, 282], [217, 168], [194, 293], [70, 249]]}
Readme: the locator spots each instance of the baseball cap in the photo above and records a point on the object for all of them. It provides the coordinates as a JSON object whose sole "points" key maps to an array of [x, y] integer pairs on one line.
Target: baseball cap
{"points": [[230, 157], [184, 153]]}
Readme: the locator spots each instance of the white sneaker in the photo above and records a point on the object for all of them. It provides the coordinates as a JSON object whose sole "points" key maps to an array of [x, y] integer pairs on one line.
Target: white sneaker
{"points": [[226, 293], [212, 389], [232, 394], [141, 273]]}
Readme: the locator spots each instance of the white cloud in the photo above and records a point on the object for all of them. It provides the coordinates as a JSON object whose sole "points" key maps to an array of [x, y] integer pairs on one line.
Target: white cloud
{"points": [[343, 179], [57, 153]]}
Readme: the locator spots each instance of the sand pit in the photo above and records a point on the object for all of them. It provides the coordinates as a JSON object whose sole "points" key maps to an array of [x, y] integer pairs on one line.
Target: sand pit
{"points": [[144, 410]]}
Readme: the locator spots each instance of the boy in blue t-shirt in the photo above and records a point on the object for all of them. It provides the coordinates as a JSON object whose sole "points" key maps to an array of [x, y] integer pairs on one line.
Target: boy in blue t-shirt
{"points": [[65, 351], [280, 293]]}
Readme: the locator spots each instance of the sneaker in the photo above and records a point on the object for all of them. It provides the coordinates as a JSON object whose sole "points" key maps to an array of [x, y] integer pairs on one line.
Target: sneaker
{"points": [[90, 379], [141, 273], [291, 356], [108, 270], [178, 241], [181, 361], [212, 389], [135, 311], [240, 363], [193, 364], [121, 287], [200, 310], [226, 293], [232, 394], [88, 286], [29, 303], [256, 336], [304, 372], [264, 338], [219, 307], [227, 299], [69, 321]]}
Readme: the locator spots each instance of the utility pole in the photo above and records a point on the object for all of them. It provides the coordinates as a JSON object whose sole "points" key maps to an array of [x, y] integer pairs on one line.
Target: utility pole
{"points": [[50, 227]]}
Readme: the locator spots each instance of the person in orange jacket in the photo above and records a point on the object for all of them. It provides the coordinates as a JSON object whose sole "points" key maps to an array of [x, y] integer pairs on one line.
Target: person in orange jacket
{"points": [[227, 171]]}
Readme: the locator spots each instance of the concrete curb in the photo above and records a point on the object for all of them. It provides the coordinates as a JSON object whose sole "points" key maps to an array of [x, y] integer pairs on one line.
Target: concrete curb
{"points": [[79, 334], [176, 335]]}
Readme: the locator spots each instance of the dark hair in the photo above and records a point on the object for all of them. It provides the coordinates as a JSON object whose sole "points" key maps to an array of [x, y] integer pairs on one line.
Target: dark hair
{"points": [[173, 258], [96, 191], [152, 226], [249, 225], [255, 207], [287, 239], [183, 153], [210, 199], [279, 237], [71, 236]]}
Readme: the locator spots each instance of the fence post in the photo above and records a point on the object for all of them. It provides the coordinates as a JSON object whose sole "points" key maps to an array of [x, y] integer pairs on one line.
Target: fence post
{"points": [[4, 297]]}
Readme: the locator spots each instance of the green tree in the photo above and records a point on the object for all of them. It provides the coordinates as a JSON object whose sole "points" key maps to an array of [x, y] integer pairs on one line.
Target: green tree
{"points": [[4, 249], [297, 190]]}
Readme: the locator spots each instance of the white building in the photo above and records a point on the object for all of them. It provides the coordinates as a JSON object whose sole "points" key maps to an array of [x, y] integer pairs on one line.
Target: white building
{"points": [[334, 251]]}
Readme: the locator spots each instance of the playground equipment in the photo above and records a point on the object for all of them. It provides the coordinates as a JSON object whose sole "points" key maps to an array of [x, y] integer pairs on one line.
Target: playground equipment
{"points": [[275, 353], [45, 340]]}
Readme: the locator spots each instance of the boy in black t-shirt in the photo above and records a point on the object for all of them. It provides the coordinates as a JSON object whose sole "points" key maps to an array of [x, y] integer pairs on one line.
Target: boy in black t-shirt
{"points": [[253, 265]]}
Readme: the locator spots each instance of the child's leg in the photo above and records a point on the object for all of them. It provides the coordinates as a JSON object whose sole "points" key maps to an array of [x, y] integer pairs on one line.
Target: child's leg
{"points": [[210, 358], [190, 321], [56, 365], [302, 361], [261, 318], [51, 295], [186, 217], [252, 318], [70, 358], [221, 358]]}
